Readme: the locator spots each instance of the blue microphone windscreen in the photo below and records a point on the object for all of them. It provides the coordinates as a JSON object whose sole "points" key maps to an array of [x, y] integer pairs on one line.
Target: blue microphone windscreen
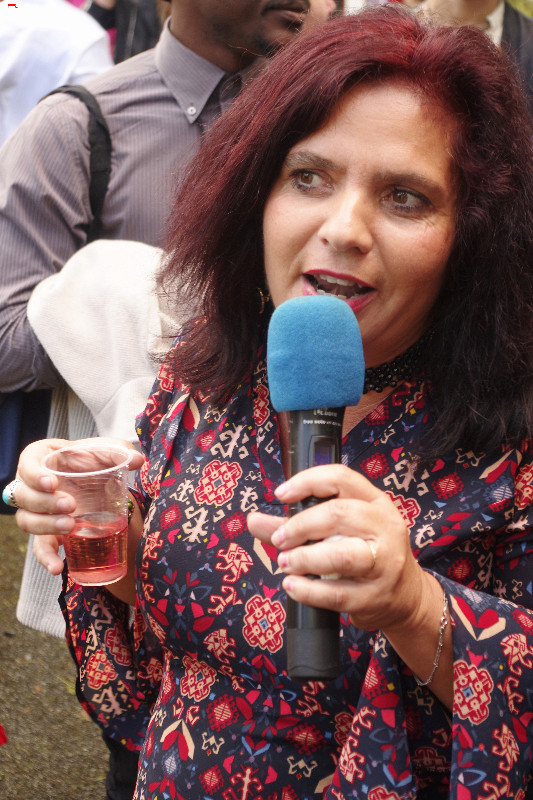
{"points": [[314, 354]]}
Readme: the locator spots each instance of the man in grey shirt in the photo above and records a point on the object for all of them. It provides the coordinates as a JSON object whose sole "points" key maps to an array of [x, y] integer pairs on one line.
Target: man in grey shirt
{"points": [[156, 105]]}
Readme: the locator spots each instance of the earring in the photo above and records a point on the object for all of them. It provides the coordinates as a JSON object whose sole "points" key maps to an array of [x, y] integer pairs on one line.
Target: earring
{"points": [[264, 298]]}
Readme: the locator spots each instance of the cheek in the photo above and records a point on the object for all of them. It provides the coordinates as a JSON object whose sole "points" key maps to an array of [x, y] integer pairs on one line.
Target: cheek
{"points": [[426, 262]]}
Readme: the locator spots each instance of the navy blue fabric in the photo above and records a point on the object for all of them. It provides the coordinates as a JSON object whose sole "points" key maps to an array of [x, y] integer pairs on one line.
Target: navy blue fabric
{"points": [[23, 419]]}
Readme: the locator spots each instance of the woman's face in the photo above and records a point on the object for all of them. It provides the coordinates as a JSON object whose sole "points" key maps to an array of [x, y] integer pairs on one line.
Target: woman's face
{"points": [[365, 209]]}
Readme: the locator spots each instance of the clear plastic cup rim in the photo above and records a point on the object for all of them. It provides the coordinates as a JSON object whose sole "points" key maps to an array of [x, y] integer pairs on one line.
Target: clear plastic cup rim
{"points": [[115, 448]]}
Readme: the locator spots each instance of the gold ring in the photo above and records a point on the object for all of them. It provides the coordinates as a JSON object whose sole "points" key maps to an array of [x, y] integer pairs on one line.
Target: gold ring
{"points": [[374, 555]]}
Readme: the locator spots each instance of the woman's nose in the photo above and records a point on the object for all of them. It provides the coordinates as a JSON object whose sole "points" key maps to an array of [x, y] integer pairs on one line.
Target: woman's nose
{"points": [[345, 226]]}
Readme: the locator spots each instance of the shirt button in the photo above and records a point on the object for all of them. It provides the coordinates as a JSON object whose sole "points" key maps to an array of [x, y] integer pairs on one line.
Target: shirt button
{"points": [[191, 110]]}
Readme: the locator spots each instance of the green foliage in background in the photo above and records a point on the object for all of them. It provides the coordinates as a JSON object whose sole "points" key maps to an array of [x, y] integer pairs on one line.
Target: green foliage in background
{"points": [[526, 6]]}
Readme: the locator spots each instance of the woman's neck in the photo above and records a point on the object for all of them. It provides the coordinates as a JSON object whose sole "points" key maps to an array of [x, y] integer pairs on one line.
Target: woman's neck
{"points": [[463, 12]]}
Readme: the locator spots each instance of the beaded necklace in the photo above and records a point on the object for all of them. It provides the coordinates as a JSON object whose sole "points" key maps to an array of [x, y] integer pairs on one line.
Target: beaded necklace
{"points": [[391, 373]]}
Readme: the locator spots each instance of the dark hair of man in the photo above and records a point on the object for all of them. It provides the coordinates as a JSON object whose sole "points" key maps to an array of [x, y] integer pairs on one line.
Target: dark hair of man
{"points": [[479, 357]]}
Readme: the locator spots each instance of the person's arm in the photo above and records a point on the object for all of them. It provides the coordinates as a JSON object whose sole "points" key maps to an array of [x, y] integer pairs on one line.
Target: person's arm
{"points": [[44, 213]]}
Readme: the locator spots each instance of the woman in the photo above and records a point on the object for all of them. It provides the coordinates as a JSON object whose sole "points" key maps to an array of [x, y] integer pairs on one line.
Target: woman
{"points": [[388, 162]]}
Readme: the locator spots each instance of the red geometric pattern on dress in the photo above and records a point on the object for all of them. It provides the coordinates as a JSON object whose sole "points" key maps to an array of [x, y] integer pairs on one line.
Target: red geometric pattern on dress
{"points": [[448, 486], [205, 440], [212, 780], [119, 649], [287, 793], [166, 377], [154, 671], [99, 670], [233, 525], [378, 415], [507, 748], [167, 687], [222, 712], [408, 508], [307, 738], [376, 466], [235, 561], [248, 786], [428, 758], [218, 482], [221, 645], [375, 682], [264, 623], [151, 489], [413, 722], [343, 723], [472, 692], [351, 760], [260, 406], [524, 487], [524, 620], [461, 570], [380, 793], [198, 678], [517, 652], [170, 517]]}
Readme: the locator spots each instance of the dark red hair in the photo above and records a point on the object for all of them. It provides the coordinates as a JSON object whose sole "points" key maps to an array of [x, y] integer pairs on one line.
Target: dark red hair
{"points": [[479, 360]]}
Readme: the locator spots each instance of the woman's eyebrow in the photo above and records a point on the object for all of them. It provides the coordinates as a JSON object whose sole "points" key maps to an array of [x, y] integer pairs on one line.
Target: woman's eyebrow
{"points": [[301, 159], [411, 178]]}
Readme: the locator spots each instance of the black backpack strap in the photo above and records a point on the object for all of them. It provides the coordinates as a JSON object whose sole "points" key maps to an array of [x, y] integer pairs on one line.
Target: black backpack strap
{"points": [[100, 161]]}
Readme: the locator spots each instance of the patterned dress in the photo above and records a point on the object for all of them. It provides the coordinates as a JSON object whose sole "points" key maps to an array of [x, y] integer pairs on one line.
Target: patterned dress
{"points": [[202, 662]]}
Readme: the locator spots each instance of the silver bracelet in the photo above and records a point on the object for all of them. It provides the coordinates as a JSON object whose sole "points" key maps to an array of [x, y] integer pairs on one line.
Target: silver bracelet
{"points": [[442, 629]]}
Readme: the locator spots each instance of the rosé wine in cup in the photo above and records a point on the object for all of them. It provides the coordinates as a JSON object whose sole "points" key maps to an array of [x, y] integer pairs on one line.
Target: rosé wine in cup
{"points": [[96, 475]]}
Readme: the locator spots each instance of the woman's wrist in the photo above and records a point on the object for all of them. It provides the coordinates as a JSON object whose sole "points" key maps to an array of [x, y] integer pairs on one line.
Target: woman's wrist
{"points": [[424, 641]]}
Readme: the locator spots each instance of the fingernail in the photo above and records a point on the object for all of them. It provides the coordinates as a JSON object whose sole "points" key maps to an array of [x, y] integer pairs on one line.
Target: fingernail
{"points": [[64, 505], [282, 490], [288, 585], [64, 524], [283, 560], [278, 538], [46, 483]]}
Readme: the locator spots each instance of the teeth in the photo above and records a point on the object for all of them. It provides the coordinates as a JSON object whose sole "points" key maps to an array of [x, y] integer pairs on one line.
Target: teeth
{"points": [[331, 279], [340, 296]]}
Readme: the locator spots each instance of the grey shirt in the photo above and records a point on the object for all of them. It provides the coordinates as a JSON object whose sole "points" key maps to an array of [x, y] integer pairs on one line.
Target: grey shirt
{"points": [[156, 105]]}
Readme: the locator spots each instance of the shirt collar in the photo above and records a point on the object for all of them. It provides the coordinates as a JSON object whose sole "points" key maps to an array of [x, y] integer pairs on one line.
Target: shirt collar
{"points": [[495, 20], [189, 77]]}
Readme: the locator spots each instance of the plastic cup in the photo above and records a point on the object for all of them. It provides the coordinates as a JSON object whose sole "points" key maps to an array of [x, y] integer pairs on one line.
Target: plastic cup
{"points": [[96, 475]]}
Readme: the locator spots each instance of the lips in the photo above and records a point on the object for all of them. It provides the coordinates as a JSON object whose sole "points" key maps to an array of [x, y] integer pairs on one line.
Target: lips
{"points": [[345, 289], [292, 12]]}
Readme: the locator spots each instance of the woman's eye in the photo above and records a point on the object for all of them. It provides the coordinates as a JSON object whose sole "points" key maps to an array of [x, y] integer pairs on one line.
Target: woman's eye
{"points": [[404, 199], [305, 180]]}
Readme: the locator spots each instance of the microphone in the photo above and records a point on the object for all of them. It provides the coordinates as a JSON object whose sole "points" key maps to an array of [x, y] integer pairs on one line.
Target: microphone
{"points": [[315, 368]]}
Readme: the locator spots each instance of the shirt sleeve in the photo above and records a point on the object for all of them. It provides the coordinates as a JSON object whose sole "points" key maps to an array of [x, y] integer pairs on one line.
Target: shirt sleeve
{"points": [[44, 215]]}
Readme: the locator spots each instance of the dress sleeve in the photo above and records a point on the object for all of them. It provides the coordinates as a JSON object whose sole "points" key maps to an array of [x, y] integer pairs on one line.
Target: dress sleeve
{"points": [[404, 743], [492, 743], [119, 661]]}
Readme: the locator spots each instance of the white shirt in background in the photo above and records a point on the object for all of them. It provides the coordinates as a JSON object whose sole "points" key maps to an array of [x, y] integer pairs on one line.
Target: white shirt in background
{"points": [[44, 44]]}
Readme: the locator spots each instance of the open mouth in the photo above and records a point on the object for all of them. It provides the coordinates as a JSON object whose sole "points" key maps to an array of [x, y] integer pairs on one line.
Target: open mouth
{"points": [[344, 289]]}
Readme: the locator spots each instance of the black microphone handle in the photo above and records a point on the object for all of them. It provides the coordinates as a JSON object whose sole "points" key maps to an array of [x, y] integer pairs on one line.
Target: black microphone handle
{"points": [[315, 437]]}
